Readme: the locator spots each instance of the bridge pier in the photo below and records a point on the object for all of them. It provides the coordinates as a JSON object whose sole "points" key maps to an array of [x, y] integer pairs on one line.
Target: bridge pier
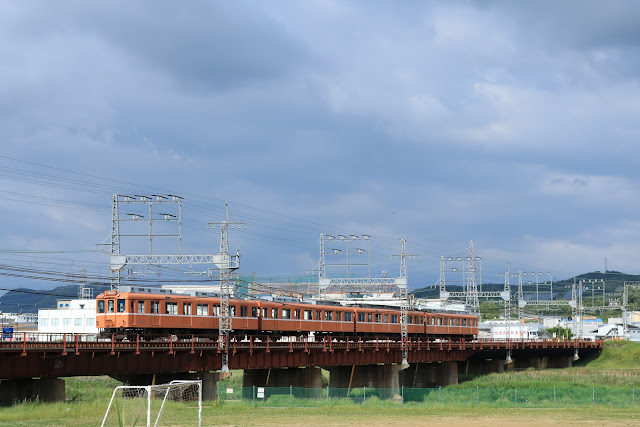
{"points": [[559, 362], [429, 375], [209, 380], [29, 389], [525, 363], [308, 378], [384, 378]]}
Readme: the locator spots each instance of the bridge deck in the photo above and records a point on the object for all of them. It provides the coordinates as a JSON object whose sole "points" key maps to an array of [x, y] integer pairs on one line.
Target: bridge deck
{"points": [[37, 355]]}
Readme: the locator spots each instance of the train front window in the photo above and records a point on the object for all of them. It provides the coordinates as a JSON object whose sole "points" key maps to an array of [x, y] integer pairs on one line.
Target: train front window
{"points": [[100, 306], [110, 305]]}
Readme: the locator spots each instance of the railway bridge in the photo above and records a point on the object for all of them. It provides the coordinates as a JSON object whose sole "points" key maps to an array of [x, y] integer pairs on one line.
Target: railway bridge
{"points": [[32, 365]]}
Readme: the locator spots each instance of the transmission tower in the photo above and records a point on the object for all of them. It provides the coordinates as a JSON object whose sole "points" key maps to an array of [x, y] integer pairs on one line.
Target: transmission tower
{"points": [[344, 255], [404, 300], [471, 279], [226, 269]]}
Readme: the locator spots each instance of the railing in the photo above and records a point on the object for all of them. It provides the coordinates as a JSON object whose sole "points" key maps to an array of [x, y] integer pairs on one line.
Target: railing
{"points": [[33, 341], [549, 397]]}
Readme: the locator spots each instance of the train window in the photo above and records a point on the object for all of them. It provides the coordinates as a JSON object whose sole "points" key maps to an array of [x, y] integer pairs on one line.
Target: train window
{"points": [[464, 322], [140, 306], [202, 310], [232, 309], [394, 318], [171, 308], [244, 311], [339, 316], [110, 306], [307, 315], [360, 317], [369, 317], [274, 313], [409, 319], [265, 312], [318, 315], [450, 322], [131, 306], [386, 318], [100, 306], [254, 312], [286, 313], [439, 320], [296, 314], [186, 309], [378, 318], [433, 320], [347, 317]]}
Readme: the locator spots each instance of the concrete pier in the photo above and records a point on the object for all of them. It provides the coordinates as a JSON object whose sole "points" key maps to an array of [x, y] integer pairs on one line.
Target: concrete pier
{"points": [[31, 389], [384, 378], [430, 375], [282, 381]]}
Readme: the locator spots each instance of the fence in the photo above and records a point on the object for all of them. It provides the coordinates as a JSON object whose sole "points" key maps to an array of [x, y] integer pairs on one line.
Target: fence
{"points": [[552, 397]]}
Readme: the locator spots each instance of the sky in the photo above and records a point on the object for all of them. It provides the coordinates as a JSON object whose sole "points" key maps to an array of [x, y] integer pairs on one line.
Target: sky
{"points": [[514, 125]]}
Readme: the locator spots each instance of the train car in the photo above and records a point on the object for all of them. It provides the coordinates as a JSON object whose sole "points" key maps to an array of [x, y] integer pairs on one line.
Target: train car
{"points": [[138, 310]]}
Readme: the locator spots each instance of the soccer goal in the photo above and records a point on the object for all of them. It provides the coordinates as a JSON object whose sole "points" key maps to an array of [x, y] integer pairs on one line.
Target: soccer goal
{"points": [[178, 403]]}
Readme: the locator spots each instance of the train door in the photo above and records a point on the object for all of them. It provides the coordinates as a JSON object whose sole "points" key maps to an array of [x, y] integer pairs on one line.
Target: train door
{"points": [[154, 309]]}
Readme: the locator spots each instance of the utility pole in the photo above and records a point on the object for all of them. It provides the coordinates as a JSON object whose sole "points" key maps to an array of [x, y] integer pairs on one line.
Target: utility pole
{"points": [[227, 267], [404, 301]]}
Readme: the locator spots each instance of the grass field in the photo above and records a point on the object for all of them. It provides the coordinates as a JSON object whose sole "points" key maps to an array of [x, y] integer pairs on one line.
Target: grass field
{"points": [[488, 400]]}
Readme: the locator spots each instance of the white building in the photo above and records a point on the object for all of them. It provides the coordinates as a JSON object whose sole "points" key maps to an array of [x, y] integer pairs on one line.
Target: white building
{"points": [[72, 316], [18, 318], [501, 330]]}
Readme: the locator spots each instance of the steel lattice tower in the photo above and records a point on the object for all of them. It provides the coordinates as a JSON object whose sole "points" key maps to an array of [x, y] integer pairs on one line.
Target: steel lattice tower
{"points": [[226, 269]]}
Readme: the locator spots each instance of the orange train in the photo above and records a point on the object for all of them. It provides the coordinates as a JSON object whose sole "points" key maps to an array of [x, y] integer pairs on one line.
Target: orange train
{"points": [[134, 310]]}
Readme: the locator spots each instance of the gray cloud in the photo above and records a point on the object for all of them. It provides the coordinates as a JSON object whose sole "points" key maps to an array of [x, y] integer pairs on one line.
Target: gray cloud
{"points": [[494, 121]]}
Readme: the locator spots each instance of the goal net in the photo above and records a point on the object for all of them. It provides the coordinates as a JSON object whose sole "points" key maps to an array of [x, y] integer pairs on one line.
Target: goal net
{"points": [[178, 403]]}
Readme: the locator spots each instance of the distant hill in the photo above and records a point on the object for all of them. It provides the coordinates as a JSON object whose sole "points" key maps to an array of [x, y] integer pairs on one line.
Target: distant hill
{"points": [[23, 300], [613, 281]]}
